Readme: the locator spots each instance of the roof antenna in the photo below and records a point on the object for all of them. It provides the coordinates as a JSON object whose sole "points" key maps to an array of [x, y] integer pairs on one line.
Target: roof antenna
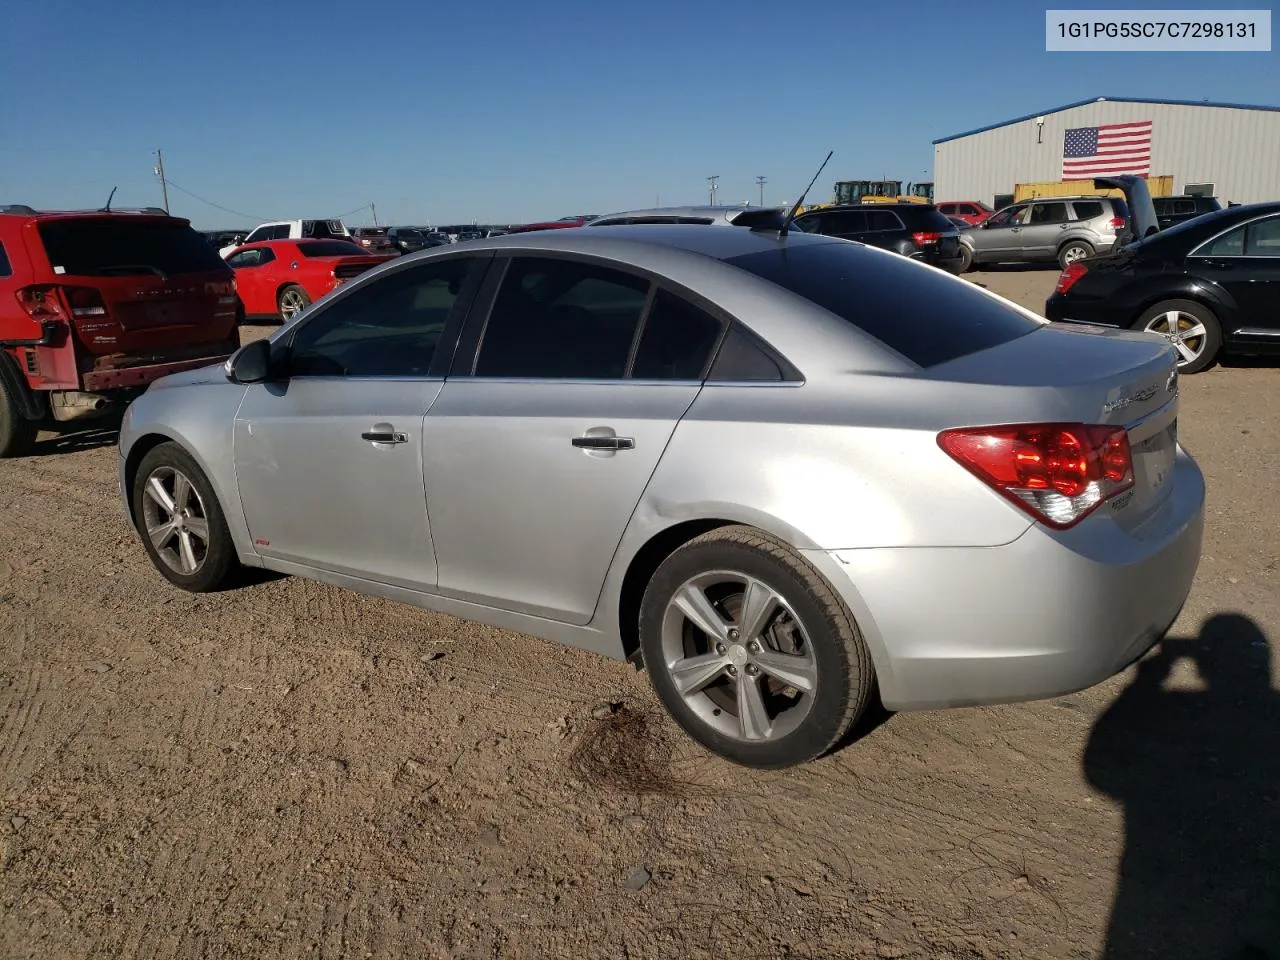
{"points": [[782, 231], [107, 208]]}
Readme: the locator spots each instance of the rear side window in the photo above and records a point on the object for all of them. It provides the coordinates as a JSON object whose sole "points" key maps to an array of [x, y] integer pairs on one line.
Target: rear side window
{"points": [[118, 248], [330, 248], [925, 315], [1087, 209], [677, 340], [6, 268]]}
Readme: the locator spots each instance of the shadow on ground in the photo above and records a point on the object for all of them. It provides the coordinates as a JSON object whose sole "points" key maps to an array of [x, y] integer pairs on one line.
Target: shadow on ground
{"points": [[72, 437], [1198, 775]]}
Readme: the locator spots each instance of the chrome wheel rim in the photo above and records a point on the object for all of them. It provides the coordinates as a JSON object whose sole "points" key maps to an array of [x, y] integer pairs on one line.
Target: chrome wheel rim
{"points": [[1074, 253], [1185, 332], [739, 656], [174, 517], [291, 303]]}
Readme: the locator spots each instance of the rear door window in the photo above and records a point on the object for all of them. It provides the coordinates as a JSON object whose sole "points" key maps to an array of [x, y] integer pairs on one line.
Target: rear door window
{"points": [[1055, 212], [559, 319], [1087, 209], [879, 220], [677, 340], [107, 247], [843, 223], [925, 315]]}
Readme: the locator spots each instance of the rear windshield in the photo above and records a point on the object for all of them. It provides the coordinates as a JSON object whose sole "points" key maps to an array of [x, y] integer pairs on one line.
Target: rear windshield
{"points": [[927, 316], [330, 248], [102, 247]]}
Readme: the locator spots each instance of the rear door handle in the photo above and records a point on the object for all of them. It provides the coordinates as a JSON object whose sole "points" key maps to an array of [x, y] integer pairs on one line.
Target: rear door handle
{"points": [[604, 443], [385, 436]]}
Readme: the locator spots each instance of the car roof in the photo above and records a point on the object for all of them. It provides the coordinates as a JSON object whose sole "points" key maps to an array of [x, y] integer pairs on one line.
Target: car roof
{"points": [[618, 241], [151, 213], [720, 213]]}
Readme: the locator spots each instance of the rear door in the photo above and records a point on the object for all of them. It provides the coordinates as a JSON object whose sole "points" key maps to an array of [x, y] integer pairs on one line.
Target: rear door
{"points": [[1246, 263], [1046, 228], [136, 283], [848, 224], [542, 442]]}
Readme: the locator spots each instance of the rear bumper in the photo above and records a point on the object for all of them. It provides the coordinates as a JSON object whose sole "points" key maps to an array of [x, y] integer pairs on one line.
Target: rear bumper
{"points": [[117, 378], [1043, 616]]}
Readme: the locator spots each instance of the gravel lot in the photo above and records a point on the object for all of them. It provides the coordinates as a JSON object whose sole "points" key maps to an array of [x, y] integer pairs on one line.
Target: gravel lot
{"points": [[291, 770]]}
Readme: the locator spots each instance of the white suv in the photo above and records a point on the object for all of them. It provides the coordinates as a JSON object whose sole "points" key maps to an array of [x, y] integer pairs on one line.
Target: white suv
{"points": [[292, 230]]}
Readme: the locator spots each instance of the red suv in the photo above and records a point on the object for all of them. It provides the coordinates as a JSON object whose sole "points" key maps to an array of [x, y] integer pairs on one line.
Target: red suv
{"points": [[95, 305], [970, 211]]}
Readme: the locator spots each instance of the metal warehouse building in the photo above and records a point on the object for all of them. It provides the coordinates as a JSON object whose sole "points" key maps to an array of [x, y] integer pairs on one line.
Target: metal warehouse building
{"points": [[1227, 150]]}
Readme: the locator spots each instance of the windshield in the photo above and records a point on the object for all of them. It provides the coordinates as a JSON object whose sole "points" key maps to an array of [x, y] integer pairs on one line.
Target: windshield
{"points": [[101, 246]]}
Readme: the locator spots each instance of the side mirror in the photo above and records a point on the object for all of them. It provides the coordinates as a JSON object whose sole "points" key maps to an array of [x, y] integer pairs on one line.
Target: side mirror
{"points": [[251, 363]]}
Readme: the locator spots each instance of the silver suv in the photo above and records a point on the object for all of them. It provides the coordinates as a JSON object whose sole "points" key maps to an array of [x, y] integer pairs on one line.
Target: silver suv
{"points": [[1045, 229]]}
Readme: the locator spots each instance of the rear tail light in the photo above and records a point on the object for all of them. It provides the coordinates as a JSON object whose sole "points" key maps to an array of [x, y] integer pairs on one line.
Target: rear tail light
{"points": [[1117, 222], [926, 237], [85, 302], [41, 303], [1070, 274], [1059, 473]]}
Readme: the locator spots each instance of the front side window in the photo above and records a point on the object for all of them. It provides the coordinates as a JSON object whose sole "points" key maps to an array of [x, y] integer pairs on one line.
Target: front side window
{"points": [[1007, 217], [560, 319], [250, 258], [6, 268], [388, 328]]}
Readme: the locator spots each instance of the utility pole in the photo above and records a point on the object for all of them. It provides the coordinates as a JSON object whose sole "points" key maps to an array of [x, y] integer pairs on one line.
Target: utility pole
{"points": [[164, 187], [712, 182], [762, 181], [374, 208]]}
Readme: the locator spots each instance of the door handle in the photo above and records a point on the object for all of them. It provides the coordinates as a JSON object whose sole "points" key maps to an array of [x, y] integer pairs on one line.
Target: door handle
{"points": [[604, 443], [385, 436], [1220, 264]]}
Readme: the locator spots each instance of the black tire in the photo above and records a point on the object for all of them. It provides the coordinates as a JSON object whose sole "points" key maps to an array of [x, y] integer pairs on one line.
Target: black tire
{"points": [[218, 560], [17, 433], [292, 290], [844, 673], [1074, 250], [1206, 348], [966, 259]]}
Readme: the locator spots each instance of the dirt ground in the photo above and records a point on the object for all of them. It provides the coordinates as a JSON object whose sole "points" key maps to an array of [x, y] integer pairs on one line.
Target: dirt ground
{"points": [[291, 770]]}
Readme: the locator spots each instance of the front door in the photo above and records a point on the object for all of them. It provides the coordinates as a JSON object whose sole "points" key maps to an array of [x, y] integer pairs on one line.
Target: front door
{"points": [[537, 457], [254, 285], [1000, 237], [329, 459], [1246, 263]]}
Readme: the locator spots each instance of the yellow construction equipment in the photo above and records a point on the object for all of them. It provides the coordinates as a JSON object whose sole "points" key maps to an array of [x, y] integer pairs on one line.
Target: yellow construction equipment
{"points": [[882, 191], [1156, 186]]}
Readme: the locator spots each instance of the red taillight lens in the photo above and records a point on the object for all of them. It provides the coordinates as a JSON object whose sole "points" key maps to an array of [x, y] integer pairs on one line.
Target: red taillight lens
{"points": [[925, 237], [41, 303], [1117, 222], [1070, 274], [1059, 473], [85, 301]]}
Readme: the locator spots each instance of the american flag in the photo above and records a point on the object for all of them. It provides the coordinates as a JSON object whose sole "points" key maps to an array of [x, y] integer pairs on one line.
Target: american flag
{"points": [[1107, 150]]}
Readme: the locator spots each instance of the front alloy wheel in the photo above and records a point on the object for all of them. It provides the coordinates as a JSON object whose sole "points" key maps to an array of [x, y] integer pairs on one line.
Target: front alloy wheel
{"points": [[1190, 327]]}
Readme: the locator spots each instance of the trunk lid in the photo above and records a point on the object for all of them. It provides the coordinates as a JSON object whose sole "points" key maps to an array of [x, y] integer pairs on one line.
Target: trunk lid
{"points": [[1095, 376]]}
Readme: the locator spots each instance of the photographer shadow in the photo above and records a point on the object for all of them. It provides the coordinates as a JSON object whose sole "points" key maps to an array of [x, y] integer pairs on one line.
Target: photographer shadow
{"points": [[1198, 775]]}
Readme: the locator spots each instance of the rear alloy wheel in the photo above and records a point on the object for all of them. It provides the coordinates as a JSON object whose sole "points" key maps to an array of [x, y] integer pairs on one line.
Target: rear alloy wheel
{"points": [[751, 651], [1192, 329], [180, 520], [292, 301], [1072, 251], [17, 433]]}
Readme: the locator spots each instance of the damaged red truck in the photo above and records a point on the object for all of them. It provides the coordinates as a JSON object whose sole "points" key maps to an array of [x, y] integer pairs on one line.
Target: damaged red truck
{"points": [[94, 305]]}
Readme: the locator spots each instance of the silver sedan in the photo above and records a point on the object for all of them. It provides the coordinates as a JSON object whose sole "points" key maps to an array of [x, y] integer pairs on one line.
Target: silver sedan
{"points": [[786, 474]]}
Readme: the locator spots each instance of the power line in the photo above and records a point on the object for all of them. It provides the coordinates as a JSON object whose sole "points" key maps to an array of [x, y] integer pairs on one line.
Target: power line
{"points": [[238, 213]]}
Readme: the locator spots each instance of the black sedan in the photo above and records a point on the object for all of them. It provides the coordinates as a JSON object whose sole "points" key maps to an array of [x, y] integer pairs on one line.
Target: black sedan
{"points": [[1209, 285]]}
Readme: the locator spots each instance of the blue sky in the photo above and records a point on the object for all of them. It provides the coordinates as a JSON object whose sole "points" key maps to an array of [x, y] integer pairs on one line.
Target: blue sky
{"points": [[506, 112]]}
